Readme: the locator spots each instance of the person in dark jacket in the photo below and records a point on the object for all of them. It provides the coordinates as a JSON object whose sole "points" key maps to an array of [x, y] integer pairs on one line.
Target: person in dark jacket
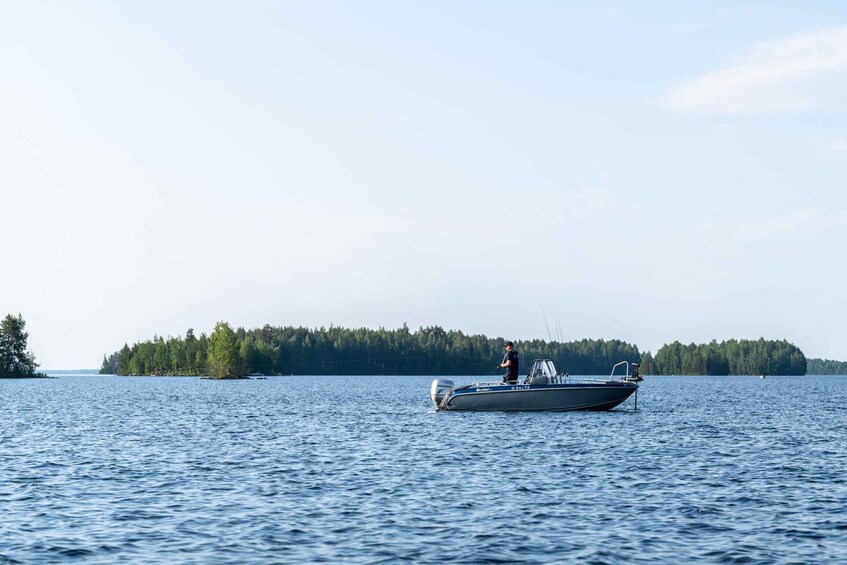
{"points": [[511, 362]]}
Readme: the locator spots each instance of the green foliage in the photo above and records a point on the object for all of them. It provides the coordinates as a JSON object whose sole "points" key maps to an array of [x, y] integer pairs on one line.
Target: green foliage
{"points": [[124, 356], [341, 351], [111, 364], [15, 359], [732, 357], [826, 367], [431, 351], [647, 364], [223, 353]]}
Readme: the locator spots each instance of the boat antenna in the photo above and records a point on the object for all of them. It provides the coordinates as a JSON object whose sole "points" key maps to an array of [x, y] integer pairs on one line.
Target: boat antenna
{"points": [[550, 337]]}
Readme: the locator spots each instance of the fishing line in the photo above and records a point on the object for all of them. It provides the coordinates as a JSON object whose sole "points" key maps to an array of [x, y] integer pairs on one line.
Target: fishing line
{"points": [[546, 324]]}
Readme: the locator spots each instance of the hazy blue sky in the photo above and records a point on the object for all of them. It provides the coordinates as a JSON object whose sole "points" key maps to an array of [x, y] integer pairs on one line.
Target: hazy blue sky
{"points": [[672, 170]]}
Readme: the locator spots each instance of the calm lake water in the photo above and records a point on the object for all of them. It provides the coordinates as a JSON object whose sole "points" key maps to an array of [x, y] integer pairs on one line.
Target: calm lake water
{"points": [[346, 469]]}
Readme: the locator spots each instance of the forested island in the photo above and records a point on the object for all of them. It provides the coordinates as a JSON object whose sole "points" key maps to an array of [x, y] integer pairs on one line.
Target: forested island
{"points": [[16, 360], [826, 367], [286, 350], [341, 351], [731, 357]]}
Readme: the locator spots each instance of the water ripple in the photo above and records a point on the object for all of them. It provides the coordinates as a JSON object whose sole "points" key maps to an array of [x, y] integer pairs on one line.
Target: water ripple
{"points": [[362, 470]]}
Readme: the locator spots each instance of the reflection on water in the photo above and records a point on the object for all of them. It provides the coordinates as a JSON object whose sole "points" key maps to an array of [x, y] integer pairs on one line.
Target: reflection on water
{"points": [[106, 469]]}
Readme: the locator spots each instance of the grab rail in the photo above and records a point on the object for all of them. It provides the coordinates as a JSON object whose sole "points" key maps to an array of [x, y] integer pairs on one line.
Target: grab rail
{"points": [[557, 380], [626, 376]]}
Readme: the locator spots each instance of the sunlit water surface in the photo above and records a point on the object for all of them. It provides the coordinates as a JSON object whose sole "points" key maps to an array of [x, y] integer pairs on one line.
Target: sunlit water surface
{"points": [[346, 469]]}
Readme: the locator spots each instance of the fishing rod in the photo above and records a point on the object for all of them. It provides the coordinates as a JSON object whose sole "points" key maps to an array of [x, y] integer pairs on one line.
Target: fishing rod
{"points": [[559, 328], [546, 324]]}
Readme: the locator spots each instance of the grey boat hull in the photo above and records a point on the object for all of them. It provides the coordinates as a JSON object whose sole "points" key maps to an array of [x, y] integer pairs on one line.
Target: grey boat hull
{"points": [[551, 398]]}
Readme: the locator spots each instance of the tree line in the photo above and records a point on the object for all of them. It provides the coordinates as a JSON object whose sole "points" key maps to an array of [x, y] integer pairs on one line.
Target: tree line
{"points": [[16, 360], [826, 367], [731, 357], [286, 350], [269, 350], [229, 353]]}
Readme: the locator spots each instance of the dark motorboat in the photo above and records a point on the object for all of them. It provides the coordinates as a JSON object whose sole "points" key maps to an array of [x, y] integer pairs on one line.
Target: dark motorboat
{"points": [[544, 389]]}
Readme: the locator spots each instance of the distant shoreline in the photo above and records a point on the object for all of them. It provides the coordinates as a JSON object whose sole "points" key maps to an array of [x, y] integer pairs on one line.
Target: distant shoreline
{"points": [[57, 374]]}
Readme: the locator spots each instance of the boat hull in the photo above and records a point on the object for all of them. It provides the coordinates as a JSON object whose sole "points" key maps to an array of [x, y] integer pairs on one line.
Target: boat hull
{"points": [[551, 398]]}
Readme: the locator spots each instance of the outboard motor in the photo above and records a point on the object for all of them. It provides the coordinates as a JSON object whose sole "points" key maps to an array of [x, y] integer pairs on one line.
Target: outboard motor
{"points": [[635, 377], [440, 389]]}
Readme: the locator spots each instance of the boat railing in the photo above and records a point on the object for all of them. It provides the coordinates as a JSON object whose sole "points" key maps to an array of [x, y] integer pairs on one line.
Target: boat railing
{"points": [[546, 368], [564, 378], [559, 379], [486, 384], [626, 375]]}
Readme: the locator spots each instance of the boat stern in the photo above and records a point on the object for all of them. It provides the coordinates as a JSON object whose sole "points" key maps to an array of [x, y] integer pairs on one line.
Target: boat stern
{"points": [[441, 388]]}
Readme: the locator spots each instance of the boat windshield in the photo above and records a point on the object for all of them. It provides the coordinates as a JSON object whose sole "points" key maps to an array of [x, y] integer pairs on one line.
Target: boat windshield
{"points": [[543, 368]]}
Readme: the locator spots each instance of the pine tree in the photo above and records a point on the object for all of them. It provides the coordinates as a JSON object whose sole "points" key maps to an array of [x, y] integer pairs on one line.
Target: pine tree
{"points": [[124, 357], [15, 359]]}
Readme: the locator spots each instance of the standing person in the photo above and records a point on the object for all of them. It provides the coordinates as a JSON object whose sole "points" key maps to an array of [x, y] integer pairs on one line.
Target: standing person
{"points": [[511, 362]]}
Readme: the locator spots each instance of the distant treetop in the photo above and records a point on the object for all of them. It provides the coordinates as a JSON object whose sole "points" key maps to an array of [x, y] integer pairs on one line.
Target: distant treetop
{"points": [[16, 360]]}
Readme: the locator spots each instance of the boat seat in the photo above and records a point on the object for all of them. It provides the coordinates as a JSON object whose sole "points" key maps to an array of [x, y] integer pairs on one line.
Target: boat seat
{"points": [[539, 380]]}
